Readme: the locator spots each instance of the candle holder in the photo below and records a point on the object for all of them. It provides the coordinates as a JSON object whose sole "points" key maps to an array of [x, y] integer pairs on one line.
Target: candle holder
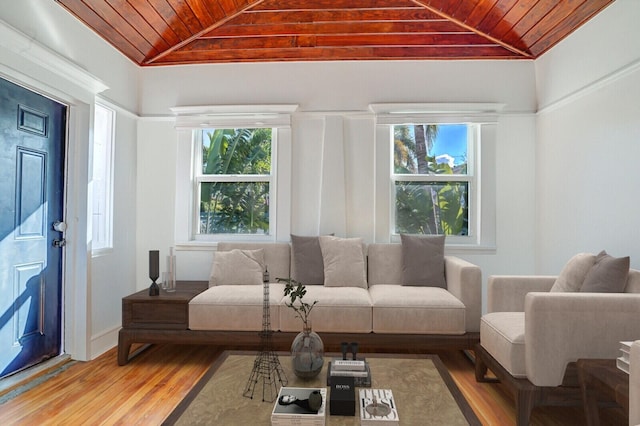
{"points": [[154, 272]]}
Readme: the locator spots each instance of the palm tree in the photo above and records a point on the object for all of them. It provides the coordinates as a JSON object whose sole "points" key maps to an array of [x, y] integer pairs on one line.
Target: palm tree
{"points": [[240, 207]]}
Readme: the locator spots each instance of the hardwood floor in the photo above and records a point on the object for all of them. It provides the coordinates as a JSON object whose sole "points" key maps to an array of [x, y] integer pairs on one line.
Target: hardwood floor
{"points": [[147, 389]]}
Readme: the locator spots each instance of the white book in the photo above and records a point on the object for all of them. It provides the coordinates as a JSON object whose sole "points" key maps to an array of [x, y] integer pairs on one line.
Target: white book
{"points": [[347, 364], [622, 365], [377, 407], [293, 414], [347, 373]]}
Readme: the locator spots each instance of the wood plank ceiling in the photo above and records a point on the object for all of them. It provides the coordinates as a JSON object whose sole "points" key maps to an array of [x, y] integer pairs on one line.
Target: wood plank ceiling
{"points": [[165, 32]]}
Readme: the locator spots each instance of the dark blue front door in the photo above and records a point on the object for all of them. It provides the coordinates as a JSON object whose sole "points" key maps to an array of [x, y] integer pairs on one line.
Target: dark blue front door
{"points": [[32, 148]]}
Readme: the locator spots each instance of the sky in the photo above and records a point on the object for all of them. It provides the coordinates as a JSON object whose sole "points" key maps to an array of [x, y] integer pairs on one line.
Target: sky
{"points": [[451, 140]]}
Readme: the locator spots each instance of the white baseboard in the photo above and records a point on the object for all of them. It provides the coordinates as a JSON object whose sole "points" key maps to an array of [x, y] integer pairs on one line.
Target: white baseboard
{"points": [[104, 341]]}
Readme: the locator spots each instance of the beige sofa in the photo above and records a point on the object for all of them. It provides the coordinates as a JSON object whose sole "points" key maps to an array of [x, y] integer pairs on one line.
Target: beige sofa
{"points": [[381, 307]]}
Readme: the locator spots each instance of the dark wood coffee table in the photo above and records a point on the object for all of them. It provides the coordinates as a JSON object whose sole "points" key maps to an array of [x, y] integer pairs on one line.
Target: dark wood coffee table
{"points": [[602, 382]]}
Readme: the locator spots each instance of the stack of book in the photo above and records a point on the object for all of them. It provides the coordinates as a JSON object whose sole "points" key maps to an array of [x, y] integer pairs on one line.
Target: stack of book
{"points": [[623, 361], [377, 407], [292, 408], [358, 369]]}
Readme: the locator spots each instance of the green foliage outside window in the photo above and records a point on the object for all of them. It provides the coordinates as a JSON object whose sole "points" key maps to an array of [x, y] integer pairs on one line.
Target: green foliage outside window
{"points": [[428, 206], [228, 206]]}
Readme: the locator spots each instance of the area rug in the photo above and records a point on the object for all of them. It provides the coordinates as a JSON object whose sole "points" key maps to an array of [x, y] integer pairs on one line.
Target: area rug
{"points": [[424, 392]]}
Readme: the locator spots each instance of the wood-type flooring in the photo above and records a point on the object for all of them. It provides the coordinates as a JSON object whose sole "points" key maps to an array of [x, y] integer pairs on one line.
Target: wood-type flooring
{"points": [[148, 388]]}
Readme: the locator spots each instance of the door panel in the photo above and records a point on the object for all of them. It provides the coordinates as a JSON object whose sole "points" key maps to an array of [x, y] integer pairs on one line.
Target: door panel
{"points": [[32, 148]]}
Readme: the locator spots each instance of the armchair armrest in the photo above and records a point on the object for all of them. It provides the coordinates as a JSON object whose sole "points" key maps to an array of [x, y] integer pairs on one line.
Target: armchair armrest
{"points": [[562, 327], [634, 384], [464, 281], [506, 293]]}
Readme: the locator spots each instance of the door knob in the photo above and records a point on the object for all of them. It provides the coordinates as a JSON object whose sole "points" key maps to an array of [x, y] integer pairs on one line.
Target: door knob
{"points": [[59, 226]]}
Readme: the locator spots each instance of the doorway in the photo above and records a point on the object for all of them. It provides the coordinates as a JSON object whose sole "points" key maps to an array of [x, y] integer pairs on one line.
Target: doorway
{"points": [[32, 158]]}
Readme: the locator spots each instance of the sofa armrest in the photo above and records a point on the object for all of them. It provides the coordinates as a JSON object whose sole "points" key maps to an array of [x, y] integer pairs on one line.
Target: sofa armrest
{"points": [[464, 281], [506, 293], [563, 327], [634, 384]]}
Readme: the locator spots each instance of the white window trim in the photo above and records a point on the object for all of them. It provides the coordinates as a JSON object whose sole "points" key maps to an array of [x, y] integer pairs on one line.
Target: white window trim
{"points": [[200, 178], [188, 119], [107, 247], [482, 187], [471, 178]]}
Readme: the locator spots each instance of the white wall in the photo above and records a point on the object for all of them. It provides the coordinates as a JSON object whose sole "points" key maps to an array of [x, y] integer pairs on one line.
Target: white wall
{"points": [[333, 115], [545, 181], [49, 51], [113, 273], [589, 141]]}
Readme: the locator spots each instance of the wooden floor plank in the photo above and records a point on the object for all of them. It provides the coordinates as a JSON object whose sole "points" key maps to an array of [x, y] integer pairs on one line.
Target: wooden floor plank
{"points": [[145, 391]]}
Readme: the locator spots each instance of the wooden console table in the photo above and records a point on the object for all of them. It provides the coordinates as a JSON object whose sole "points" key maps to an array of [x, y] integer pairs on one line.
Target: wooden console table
{"points": [[601, 381], [146, 318]]}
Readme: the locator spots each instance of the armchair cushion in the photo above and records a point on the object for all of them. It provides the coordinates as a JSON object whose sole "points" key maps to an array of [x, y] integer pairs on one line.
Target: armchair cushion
{"points": [[502, 335], [608, 275], [574, 272]]}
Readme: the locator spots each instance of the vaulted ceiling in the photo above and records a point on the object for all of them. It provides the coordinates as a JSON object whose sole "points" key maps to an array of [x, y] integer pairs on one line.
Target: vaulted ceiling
{"points": [[165, 32]]}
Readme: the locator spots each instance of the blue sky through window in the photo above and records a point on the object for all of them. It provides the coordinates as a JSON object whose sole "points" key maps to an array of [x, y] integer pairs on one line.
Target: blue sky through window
{"points": [[451, 141]]}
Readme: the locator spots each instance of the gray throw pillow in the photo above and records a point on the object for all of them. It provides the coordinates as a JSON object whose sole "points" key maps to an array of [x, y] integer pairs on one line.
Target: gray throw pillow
{"points": [[308, 267], [423, 260], [574, 272], [608, 275]]}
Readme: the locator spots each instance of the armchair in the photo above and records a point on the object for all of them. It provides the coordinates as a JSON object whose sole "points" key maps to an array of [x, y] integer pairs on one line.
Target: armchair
{"points": [[535, 358]]}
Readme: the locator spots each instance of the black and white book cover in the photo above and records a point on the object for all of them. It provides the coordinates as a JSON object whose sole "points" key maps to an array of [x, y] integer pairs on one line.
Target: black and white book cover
{"points": [[296, 406], [377, 407]]}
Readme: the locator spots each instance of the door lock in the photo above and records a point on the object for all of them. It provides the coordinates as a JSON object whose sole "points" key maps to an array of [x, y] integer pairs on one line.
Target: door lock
{"points": [[59, 243]]}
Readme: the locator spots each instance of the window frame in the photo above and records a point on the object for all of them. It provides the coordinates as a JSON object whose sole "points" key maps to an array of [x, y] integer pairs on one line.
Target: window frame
{"points": [[199, 178], [190, 118], [100, 247], [483, 197], [473, 146]]}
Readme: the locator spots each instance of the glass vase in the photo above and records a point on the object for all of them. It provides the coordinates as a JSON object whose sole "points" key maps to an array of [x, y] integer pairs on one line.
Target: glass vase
{"points": [[307, 354]]}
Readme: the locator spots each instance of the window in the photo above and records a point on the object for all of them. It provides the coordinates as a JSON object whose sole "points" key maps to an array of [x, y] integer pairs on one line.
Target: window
{"points": [[234, 179], [436, 173], [433, 179], [102, 178]]}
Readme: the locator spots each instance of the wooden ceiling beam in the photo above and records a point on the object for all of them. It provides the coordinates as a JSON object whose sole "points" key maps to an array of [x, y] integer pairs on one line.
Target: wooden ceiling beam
{"points": [[336, 28], [197, 35], [492, 39], [332, 54]]}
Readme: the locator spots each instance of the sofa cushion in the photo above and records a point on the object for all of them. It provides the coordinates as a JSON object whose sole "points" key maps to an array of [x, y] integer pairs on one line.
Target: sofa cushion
{"points": [[423, 260], [234, 308], [608, 275], [574, 272], [339, 309], [343, 260], [502, 335], [239, 267], [306, 260], [423, 310]]}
